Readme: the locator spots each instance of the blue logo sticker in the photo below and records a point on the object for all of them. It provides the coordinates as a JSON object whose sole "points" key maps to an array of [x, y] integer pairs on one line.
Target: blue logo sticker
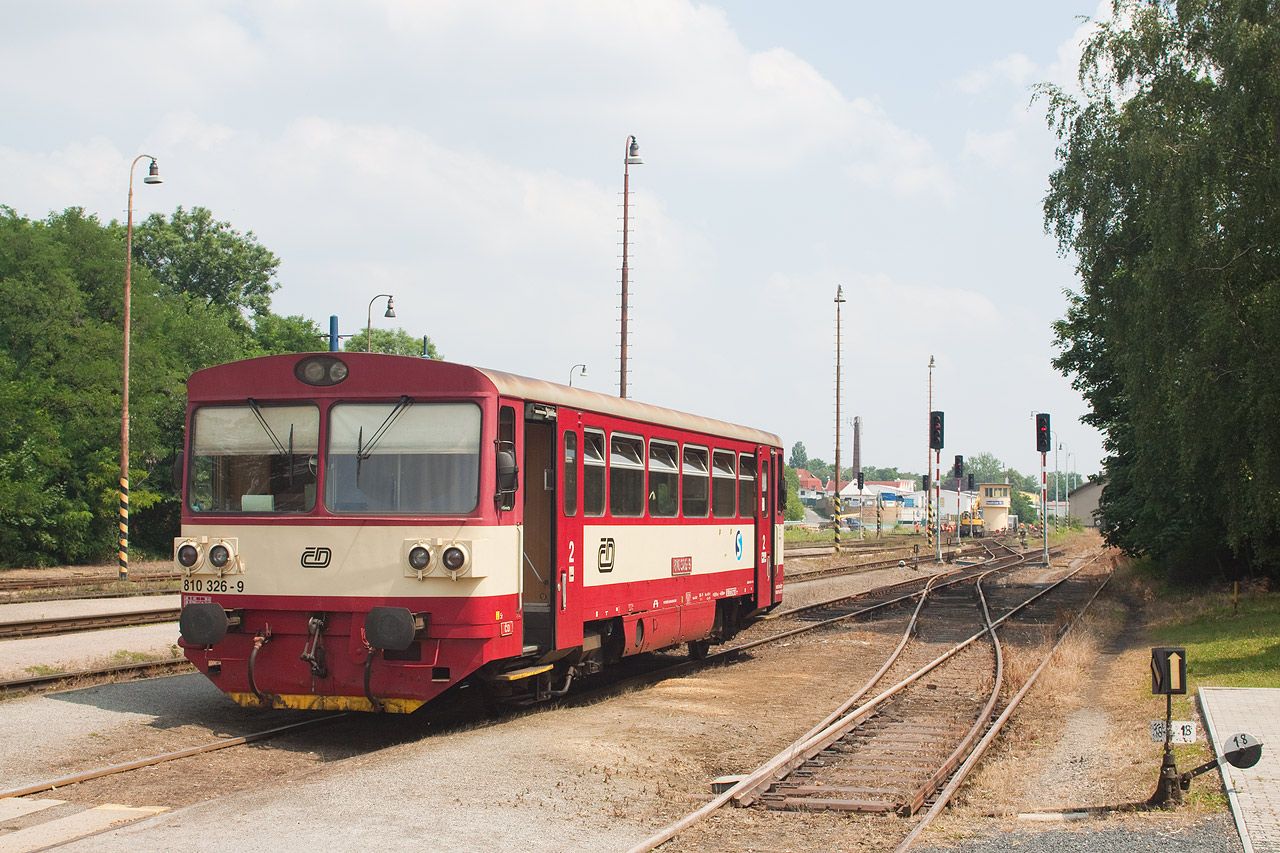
{"points": [[737, 545]]}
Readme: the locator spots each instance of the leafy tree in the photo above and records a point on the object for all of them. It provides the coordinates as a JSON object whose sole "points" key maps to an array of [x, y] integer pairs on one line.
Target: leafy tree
{"points": [[192, 253], [273, 334], [60, 381], [794, 510], [818, 468], [1022, 508], [799, 457], [391, 341], [1167, 194], [985, 468]]}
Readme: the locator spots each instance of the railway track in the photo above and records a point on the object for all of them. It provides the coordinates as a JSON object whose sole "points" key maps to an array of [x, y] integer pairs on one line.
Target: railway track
{"points": [[848, 607], [924, 731], [788, 623], [147, 667], [69, 624], [82, 581]]}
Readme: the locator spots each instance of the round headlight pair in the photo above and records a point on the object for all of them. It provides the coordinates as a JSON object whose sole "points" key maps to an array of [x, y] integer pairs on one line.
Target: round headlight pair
{"points": [[320, 370]]}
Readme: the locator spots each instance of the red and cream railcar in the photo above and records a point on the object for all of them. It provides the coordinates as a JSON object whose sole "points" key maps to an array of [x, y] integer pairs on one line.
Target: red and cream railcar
{"points": [[363, 531]]}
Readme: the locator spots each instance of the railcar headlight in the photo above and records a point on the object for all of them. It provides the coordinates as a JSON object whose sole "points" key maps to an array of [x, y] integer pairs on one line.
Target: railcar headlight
{"points": [[219, 555], [419, 557], [454, 558], [188, 555], [321, 370]]}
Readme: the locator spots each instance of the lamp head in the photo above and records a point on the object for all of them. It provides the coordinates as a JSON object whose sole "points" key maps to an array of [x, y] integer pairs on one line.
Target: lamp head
{"points": [[153, 175], [633, 153], [391, 307]]}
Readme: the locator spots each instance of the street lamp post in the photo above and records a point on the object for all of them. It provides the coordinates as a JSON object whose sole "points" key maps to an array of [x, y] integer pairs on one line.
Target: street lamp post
{"points": [[631, 157], [368, 328], [152, 177], [574, 369]]}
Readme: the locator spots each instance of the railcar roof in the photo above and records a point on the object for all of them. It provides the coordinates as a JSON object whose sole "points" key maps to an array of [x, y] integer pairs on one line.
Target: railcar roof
{"points": [[541, 391], [274, 374]]}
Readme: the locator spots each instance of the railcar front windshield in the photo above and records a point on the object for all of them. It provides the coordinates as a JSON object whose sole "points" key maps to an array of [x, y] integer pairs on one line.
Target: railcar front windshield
{"points": [[405, 457], [253, 458]]}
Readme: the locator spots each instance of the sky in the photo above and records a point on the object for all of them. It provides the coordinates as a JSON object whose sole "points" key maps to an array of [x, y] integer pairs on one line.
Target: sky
{"points": [[466, 156]]}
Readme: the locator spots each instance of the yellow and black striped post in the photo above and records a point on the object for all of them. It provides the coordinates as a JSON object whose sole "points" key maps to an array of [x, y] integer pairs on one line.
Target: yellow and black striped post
{"points": [[124, 528]]}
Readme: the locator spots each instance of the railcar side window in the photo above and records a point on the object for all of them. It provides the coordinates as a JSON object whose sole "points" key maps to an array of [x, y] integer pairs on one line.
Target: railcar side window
{"points": [[255, 458], [626, 475], [781, 489], [403, 457], [723, 484], [664, 483], [694, 476], [593, 473], [569, 481], [747, 484]]}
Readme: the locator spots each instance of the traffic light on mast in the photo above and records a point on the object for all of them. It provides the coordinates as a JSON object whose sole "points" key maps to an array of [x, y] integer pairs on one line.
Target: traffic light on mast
{"points": [[971, 482], [927, 483], [959, 468], [935, 430], [1043, 438], [861, 481]]}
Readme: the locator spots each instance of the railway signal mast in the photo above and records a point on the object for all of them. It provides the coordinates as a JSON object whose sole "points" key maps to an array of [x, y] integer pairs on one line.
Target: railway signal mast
{"points": [[936, 444], [839, 300], [1043, 441]]}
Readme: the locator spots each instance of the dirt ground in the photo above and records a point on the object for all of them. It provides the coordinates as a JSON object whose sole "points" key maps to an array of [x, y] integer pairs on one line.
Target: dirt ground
{"points": [[645, 757]]}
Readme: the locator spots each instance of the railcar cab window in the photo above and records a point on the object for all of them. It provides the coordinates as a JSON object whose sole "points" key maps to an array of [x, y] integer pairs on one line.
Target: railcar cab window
{"points": [[593, 469], [724, 482], [403, 457], [694, 477], [746, 484], [253, 458], [664, 482], [626, 475]]}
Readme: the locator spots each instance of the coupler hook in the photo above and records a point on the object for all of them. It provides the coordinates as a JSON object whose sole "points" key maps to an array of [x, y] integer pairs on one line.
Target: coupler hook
{"points": [[313, 651]]}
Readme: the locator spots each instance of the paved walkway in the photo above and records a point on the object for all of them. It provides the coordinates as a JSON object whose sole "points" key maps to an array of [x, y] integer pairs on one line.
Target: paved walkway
{"points": [[1255, 792]]}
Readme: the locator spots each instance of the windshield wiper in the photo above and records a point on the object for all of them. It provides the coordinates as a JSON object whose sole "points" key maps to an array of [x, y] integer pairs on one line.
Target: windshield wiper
{"points": [[364, 451], [280, 448]]}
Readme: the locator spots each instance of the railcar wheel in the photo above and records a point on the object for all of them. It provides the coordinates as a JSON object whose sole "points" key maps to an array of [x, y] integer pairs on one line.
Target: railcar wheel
{"points": [[699, 649]]}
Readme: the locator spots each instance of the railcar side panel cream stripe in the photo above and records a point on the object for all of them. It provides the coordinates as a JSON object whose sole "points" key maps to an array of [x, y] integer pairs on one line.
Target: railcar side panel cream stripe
{"points": [[647, 553], [369, 560]]}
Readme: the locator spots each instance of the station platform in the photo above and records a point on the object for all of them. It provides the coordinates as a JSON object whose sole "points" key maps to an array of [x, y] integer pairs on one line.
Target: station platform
{"points": [[1255, 792]]}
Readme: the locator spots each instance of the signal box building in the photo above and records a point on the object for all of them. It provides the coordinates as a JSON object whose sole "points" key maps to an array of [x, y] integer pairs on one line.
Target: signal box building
{"points": [[995, 500]]}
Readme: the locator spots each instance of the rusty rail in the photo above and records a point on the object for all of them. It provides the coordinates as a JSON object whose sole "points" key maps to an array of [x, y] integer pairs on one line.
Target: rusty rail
{"points": [[69, 624], [747, 789]]}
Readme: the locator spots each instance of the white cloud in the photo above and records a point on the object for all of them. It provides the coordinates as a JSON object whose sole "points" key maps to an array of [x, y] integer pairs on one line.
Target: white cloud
{"points": [[1016, 69]]}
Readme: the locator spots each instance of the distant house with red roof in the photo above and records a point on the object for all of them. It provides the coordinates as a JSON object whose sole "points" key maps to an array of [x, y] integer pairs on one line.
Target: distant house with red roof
{"points": [[810, 486]]}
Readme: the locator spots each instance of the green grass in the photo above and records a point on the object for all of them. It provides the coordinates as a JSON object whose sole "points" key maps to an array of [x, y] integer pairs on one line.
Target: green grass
{"points": [[1224, 648]]}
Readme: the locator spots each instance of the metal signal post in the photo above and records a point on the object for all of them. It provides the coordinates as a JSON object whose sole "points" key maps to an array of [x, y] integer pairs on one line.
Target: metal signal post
{"points": [[1044, 501]]}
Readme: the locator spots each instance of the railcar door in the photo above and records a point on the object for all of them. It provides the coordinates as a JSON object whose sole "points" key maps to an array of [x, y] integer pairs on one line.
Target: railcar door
{"points": [[764, 527], [538, 589], [568, 567]]}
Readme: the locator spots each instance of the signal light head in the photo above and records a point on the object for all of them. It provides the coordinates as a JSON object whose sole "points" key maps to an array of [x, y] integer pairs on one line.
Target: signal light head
{"points": [[1044, 441], [935, 431]]}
